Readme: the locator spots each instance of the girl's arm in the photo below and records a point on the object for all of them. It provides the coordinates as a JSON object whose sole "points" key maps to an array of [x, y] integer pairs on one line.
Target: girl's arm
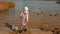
{"points": [[21, 15], [27, 17]]}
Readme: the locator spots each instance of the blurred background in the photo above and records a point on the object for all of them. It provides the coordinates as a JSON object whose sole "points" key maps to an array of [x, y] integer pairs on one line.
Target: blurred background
{"points": [[43, 14]]}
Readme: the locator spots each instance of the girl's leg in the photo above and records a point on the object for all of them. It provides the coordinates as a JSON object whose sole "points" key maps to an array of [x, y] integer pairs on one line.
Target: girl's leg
{"points": [[24, 27], [21, 28]]}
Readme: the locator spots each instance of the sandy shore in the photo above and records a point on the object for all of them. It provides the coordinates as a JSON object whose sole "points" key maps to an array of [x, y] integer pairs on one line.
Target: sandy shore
{"points": [[35, 21]]}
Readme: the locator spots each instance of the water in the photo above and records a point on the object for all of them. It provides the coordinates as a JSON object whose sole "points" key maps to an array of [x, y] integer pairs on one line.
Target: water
{"points": [[38, 4]]}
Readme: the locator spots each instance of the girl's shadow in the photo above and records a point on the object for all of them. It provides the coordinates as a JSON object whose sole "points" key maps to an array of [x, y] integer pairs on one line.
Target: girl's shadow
{"points": [[8, 25]]}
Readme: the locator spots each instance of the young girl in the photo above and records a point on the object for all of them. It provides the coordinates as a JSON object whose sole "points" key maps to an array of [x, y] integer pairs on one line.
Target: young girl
{"points": [[24, 16]]}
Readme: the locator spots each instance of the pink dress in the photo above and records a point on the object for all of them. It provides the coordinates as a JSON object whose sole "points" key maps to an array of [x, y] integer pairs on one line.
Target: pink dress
{"points": [[24, 18]]}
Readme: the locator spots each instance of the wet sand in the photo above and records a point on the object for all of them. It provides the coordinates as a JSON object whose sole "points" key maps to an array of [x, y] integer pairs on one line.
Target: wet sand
{"points": [[35, 21]]}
